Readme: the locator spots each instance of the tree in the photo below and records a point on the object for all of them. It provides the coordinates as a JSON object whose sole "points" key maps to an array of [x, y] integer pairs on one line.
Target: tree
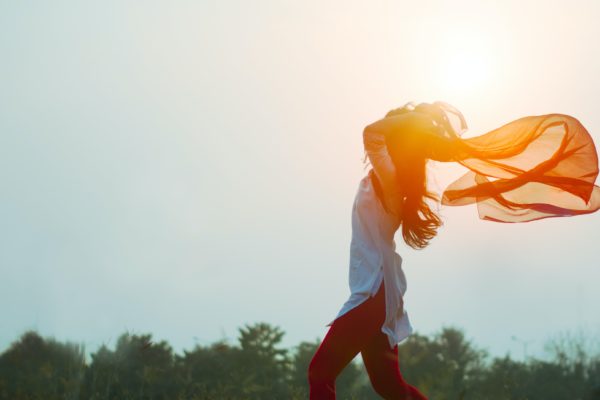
{"points": [[138, 368], [37, 368], [445, 367], [258, 368], [264, 362], [210, 372]]}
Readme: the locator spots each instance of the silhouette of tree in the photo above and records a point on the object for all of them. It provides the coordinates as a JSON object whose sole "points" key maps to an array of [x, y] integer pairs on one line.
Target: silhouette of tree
{"points": [[210, 372], [444, 366], [137, 368], [37, 368], [259, 368], [300, 362]]}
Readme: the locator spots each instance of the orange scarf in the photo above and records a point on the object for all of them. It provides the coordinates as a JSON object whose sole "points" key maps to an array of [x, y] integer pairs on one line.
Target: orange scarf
{"points": [[532, 168]]}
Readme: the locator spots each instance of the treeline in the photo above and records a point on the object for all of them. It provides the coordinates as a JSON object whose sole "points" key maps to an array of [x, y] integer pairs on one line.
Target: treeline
{"points": [[443, 366]]}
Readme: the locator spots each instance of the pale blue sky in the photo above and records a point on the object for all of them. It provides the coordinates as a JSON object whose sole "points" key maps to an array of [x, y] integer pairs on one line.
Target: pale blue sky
{"points": [[185, 167]]}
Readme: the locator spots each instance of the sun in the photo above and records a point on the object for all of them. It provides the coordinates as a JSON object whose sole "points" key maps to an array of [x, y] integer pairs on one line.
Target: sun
{"points": [[464, 63], [466, 70]]}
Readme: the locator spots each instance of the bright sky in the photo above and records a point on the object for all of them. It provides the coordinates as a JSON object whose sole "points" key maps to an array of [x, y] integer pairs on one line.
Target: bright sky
{"points": [[182, 168]]}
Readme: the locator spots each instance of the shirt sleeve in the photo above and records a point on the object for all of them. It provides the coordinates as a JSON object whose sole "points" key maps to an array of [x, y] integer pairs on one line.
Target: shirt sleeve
{"points": [[375, 146]]}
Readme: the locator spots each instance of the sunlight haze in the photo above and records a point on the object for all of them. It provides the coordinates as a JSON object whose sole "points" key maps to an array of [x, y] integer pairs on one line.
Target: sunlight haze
{"points": [[183, 168]]}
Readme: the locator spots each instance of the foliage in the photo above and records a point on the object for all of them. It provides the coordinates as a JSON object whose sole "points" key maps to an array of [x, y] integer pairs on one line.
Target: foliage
{"points": [[443, 366], [136, 369], [36, 368]]}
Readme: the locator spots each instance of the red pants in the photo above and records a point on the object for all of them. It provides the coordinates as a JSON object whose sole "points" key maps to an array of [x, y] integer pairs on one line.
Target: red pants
{"points": [[359, 330]]}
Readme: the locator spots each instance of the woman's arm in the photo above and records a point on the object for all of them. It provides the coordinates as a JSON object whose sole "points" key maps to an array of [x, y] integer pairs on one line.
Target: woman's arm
{"points": [[376, 136], [375, 146]]}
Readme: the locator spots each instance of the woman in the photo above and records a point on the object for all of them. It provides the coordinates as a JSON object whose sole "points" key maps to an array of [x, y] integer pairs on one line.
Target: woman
{"points": [[532, 168]]}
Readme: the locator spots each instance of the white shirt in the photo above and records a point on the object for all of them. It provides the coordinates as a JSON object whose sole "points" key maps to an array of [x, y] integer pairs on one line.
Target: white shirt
{"points": [[372, 249]]}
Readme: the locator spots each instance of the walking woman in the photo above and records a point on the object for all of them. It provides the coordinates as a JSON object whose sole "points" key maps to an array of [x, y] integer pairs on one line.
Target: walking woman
{"points": [[532, 168]]}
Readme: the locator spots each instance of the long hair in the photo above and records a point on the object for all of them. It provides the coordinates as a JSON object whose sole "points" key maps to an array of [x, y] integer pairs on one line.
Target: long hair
{"points": [[409, 154]]}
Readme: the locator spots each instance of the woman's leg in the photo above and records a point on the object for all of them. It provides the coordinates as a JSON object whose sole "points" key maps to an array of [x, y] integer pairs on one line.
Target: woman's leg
{"points": [[346, 337], [382, 366]]}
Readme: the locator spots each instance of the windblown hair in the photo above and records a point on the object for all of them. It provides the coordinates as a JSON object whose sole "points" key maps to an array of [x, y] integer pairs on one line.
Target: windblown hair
{"points": [[419, 222]]}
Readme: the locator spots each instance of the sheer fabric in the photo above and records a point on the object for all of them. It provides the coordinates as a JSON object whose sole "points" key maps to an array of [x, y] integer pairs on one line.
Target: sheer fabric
{"points": [[531, 168]]}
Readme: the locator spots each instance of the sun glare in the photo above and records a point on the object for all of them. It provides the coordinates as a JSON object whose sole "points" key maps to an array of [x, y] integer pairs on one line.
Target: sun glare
{"points": [[466, 70], [464, 63]]}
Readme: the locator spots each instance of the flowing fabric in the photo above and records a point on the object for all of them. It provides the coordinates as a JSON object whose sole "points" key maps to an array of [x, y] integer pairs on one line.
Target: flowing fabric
{"points": [[531, 168]]}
